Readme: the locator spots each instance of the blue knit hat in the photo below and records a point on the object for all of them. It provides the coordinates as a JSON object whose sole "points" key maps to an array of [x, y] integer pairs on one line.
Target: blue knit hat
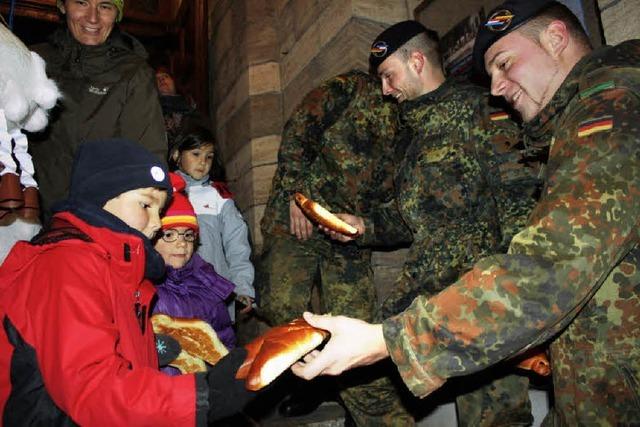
{"points": [[104, 169]]}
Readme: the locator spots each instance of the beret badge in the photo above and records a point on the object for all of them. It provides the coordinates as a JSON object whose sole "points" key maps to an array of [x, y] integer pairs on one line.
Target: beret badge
{"points": [[379, 49], [500, 20]]}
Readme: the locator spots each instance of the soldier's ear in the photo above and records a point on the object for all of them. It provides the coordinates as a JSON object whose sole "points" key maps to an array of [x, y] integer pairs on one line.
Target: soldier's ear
{"points": [[555, 38], [417, 61]]}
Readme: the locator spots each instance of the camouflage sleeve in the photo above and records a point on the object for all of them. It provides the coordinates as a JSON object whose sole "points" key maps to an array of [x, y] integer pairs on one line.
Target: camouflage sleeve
{"points": [[385, 226], [302, 134], [585, 222]]}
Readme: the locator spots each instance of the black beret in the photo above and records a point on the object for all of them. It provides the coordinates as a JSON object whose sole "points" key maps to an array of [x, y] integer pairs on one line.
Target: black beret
{"points": [[393, 38], [501, 21]]}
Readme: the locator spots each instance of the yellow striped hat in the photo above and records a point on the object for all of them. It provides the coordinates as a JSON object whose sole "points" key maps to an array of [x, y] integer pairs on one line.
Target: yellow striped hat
{"points": [[180, 212]]}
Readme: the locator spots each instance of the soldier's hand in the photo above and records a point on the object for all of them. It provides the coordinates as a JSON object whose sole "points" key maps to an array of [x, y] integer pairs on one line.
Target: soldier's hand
{"points": [[353, 343], [299, 224], [352, 220]]}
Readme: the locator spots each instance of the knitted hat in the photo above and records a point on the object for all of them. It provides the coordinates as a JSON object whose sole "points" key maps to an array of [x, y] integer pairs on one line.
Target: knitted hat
{"points": [[392, 39], [180, 213], [104, 169], [119, 4], [501, 21]]}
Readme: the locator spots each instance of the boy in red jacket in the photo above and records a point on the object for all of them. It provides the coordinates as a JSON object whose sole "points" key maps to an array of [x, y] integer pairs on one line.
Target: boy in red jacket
{"points": [[76, 345]]}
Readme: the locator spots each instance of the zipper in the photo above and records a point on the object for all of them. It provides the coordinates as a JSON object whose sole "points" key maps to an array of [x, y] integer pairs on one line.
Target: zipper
{"points": [[140, 311]]}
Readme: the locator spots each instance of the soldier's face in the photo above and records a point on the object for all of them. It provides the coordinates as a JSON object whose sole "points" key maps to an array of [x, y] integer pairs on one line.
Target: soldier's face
{"points": [[399, 79], [523, 72]]}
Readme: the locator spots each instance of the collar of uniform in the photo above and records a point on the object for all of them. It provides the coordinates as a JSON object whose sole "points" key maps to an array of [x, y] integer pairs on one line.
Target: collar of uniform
{"points": [[428, 98], [542, 124]]}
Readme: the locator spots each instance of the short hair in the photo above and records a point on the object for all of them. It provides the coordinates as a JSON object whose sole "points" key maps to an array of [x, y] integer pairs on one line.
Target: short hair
{"points": [[426, 43], [557, 12]]}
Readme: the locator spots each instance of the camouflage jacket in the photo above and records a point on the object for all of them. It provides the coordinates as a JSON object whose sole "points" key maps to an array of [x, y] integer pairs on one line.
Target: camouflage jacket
{"points": [[462, 189], [337, 149], [571, 277]]}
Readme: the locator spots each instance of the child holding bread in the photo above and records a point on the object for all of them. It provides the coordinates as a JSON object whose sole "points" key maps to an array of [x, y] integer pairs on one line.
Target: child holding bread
{"points": [[191, 288], [77, 346]]}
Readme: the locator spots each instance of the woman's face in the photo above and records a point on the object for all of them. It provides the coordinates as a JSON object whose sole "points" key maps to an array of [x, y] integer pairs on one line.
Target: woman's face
{"points": [[90, 21]]}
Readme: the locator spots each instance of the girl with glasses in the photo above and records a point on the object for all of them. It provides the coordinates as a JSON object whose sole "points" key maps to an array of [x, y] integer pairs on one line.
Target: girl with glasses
{"points": [[191, 287]]}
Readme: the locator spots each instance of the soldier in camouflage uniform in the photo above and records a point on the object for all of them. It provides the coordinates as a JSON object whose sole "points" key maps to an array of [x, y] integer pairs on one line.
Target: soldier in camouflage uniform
{"points": [[337, 150], [463, 188], [571, 278]]}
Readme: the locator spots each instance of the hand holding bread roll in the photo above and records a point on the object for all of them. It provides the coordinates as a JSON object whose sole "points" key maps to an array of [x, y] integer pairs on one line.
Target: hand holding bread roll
{"points": [[322, 216], [274, 352], [198, 340]]}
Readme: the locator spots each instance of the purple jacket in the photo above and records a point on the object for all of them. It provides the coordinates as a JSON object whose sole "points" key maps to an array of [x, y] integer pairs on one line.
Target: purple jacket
{"points": [[197, 291]]}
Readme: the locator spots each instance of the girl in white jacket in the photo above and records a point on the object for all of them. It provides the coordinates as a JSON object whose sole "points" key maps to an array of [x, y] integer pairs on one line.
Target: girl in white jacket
{"points": [[224, 238]]}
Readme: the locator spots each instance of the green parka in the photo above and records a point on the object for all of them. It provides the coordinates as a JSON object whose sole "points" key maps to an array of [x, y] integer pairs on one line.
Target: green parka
{"points": [[108, 91]]}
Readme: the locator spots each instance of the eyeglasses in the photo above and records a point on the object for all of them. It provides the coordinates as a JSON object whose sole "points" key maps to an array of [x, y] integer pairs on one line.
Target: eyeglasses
{"points": [[172, 235]]}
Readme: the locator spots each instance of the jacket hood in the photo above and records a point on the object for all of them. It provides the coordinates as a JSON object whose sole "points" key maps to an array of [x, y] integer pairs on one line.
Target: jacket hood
{"points": [[105, 221], [118, 40]]}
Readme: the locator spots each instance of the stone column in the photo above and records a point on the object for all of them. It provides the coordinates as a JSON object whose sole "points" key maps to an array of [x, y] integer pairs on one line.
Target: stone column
{"points": [[620, 20]]}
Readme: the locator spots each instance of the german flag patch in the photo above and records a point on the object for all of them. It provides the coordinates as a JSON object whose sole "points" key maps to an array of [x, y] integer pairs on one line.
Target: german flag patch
{"points": [[589, 127], [498, 115]]}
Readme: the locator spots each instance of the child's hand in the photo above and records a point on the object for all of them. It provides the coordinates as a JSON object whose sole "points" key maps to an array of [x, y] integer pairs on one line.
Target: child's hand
{"points": [[247, 302]]}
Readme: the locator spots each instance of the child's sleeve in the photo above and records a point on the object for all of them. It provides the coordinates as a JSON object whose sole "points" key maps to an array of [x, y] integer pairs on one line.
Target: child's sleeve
{"points": [[237, 249]]}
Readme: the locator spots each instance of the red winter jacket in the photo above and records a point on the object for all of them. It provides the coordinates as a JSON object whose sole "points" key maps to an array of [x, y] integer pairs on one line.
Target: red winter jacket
{"points": [[68, 309]]}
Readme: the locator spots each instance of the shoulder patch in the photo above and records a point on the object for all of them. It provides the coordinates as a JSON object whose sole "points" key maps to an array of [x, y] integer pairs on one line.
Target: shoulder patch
{"points": [[498, 115], [597, 88], [600, 124]]}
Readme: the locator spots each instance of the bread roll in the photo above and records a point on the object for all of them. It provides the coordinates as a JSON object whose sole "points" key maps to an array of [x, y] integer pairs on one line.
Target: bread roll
{"points": [[323, 217], [198, 341], [538, 363], [274, 352]]}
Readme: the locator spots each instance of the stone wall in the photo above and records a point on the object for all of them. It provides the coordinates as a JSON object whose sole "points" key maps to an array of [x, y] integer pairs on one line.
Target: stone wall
{"points": [[246, 96], [620, 20]]}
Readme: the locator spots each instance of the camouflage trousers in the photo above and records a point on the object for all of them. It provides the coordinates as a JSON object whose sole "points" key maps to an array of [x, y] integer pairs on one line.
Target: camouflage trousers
{"points": [[499, 400], [289, 270], [494, 397]]}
